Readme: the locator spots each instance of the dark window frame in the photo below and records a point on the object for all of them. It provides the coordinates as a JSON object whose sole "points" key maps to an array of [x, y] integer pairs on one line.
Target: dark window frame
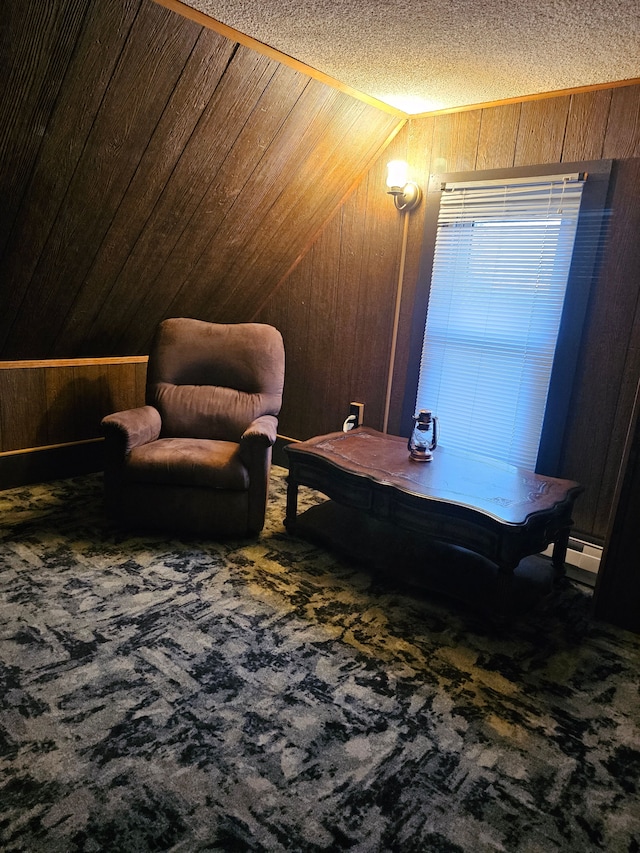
{"points": [[583, 271]]}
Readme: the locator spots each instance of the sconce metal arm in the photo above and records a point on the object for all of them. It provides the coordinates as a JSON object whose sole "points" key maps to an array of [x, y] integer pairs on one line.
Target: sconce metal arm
{"points": [[407, 197]]}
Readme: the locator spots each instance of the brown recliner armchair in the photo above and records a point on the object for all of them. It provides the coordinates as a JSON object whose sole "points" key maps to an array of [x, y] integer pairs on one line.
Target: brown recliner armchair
{"points": [[196, 458]]}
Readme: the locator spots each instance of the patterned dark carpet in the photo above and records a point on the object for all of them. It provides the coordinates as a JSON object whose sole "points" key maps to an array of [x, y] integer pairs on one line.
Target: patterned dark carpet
{"points": [[272, 696]]}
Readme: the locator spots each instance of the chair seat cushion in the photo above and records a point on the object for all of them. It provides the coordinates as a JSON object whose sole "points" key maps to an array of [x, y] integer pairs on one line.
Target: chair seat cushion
{"points": [[188, 462]]}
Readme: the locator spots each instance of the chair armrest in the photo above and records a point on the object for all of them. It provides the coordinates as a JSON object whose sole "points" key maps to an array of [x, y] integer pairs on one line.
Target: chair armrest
{"points": [[255, 451], [260, 432], [132, 427]]}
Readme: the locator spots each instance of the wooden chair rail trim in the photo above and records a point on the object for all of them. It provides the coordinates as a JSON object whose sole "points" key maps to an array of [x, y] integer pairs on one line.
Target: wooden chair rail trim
{"points": [[21, 451], [288, 438], [73, 362]]}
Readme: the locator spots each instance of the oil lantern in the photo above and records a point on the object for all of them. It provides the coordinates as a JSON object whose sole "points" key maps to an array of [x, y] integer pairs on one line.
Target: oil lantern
{"points": [[424, 436]]}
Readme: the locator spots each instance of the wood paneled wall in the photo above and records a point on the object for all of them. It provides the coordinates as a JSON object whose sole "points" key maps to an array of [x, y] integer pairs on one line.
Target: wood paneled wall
{"points": [[336, 307], [50, 413], [617, 596], [153, 168], [335, 311], [47, 403]]}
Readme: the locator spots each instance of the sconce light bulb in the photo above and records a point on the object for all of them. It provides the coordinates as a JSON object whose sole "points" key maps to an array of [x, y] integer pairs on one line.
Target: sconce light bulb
{"points": [[406, 194], [397, 172]]}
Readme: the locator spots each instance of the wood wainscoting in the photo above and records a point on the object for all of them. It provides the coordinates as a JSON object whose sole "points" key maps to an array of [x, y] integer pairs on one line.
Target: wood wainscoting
{"points": [[50, 413]]}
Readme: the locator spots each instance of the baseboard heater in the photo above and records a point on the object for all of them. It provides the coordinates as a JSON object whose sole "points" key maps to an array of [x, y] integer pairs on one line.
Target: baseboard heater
{"points": [[583, 555]]}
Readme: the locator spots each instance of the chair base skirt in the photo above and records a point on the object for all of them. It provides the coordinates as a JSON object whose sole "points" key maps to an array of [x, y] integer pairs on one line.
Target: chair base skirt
{"points": [[183, 510]]}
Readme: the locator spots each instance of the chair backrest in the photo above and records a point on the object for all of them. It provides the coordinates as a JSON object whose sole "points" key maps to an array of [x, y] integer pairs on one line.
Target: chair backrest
{"points": [[211, 380]]}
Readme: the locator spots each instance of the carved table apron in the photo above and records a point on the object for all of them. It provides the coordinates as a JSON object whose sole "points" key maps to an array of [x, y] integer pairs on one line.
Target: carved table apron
{"points": [[499, 511]]}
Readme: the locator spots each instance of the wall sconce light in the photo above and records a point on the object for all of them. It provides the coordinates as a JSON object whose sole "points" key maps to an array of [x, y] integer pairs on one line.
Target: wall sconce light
{"points": [[406, 194]]}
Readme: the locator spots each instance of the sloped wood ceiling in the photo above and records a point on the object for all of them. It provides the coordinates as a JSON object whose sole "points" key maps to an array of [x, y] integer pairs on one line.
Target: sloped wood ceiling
{"points": [[153, 168]]}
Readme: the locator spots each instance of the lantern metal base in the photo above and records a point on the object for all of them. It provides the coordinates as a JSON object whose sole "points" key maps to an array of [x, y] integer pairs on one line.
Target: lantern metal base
{"points": [[424, 456]]}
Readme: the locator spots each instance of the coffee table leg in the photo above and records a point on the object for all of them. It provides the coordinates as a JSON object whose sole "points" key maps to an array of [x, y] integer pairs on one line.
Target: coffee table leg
{"points": [[292, 503], [504, 590], [559, 554]]}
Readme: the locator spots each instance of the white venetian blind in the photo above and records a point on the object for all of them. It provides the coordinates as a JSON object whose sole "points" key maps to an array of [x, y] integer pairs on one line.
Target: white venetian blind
{"points": [[502, 258]]}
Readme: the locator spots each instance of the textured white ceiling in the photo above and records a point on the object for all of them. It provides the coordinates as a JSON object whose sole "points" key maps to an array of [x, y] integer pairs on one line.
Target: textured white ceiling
{"points": [[421, 56]]}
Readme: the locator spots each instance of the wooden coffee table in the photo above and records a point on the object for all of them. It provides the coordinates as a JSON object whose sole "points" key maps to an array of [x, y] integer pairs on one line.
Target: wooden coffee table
{"points": [[496, 510]]}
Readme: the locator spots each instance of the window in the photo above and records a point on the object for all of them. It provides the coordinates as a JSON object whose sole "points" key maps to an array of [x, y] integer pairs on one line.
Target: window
{"points": [[505, 307]]}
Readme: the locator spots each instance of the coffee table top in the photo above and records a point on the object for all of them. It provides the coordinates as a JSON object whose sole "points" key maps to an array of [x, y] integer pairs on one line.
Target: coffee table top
{"points": [[504, 492]]}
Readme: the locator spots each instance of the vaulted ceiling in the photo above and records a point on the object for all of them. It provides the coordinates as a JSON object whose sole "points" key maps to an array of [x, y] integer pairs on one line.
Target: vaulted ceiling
{"points": [[424, 55]]}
